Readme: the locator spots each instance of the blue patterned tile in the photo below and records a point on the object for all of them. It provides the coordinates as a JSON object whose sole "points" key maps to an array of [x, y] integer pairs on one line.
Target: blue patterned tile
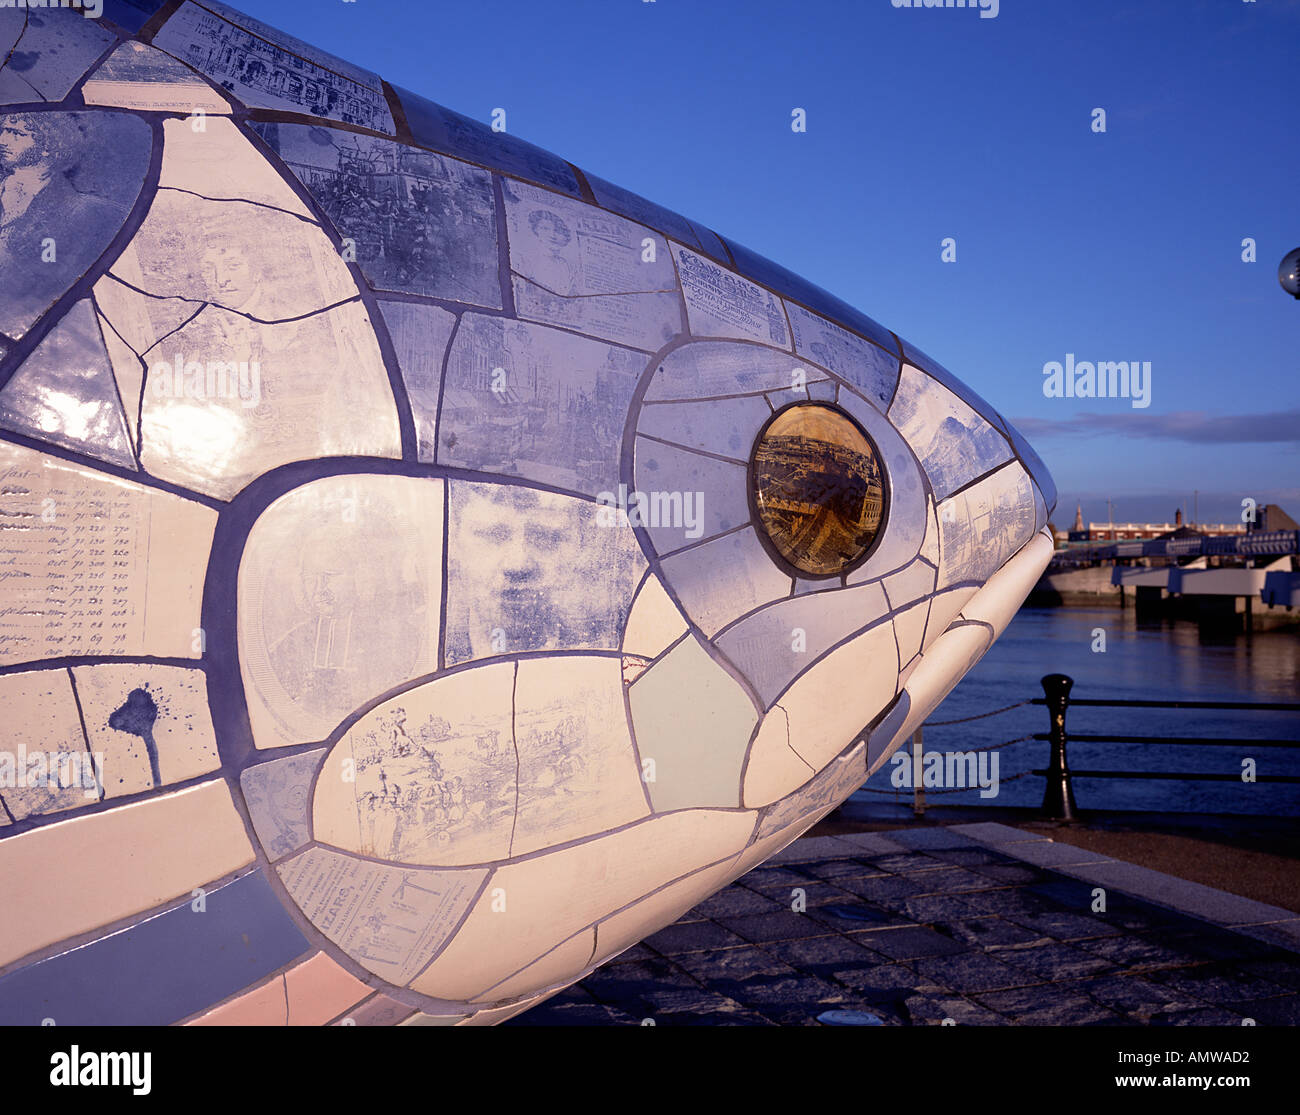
{"points": [[266, 68], [770, 274], [934, 369], [955, 444], [525, 400], [722, 304], [55, 48], [278, 795], [701, 495], [450, 132], [726, 427], [870, 369], [421, 223], [70, 176], [708, 369], [420, 334], [1034, 463]]}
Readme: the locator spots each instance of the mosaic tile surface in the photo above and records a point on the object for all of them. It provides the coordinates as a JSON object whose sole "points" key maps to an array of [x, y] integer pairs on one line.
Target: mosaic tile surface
{"points": [[382, 566]]}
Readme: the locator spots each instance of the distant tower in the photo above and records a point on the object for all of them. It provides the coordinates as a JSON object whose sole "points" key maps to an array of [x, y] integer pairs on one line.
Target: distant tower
{"points": [[1078, 516], [1178, 517]]}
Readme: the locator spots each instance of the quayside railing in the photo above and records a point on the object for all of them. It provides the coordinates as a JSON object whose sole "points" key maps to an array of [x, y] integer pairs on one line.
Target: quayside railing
{"points": [[1058, 793]]}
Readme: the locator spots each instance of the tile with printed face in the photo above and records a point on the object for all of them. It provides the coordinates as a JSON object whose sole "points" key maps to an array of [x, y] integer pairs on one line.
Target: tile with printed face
{"points": [[532, 571], [72, 176]]}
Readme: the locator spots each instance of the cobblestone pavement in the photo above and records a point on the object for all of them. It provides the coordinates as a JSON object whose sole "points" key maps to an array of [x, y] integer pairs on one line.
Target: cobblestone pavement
{"points": [[915, 929]]}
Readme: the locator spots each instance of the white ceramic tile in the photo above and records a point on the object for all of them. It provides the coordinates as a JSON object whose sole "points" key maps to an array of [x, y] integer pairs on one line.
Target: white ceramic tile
{"points": [[837, 780], [954, 443], [654, 622], [340, 589], [944, 608], [773, 769], [723, 579], [832, 703], [221, 162], [941, 667], [722, 304], [693, 722], [909, 627], [428, 777], [578, 773], [290, 399], [544, 900], [623, 930], [562, 965], [984, 525], [90, 871], [774, 645], [910, 584], [174, 701], [44, 764]]}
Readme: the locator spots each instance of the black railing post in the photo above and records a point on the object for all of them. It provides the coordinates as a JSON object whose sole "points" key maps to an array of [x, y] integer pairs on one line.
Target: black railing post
{"points": [[1058, 798]]}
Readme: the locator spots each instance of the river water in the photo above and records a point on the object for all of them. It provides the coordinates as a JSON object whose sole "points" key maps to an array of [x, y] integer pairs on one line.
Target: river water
{"points": [[1163, 661]]}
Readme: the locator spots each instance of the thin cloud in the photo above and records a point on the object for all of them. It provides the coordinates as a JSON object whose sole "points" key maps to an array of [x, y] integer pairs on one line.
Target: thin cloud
{"points": [[1196, 427]]}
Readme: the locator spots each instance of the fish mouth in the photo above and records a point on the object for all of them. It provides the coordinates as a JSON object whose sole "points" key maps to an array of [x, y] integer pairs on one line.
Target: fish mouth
{"points": [[959, 647]]}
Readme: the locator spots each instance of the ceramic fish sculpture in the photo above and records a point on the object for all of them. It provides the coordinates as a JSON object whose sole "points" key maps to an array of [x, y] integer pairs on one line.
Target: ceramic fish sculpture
{"points": [[434, 565]]}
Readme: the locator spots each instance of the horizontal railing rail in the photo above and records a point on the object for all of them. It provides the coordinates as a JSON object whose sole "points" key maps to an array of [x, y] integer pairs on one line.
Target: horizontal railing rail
{"points": [[1058, 796]]}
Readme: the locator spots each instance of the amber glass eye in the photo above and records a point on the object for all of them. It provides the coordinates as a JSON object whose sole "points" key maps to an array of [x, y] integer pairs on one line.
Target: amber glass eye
{"points": [[818, 489]]}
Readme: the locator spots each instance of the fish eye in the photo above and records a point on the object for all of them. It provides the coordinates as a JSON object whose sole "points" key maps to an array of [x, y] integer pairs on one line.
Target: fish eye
{"points": [[817, 490]]}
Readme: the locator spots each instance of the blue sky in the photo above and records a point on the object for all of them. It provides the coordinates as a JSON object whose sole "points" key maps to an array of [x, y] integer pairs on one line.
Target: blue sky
{"points": [[927, 124]]}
